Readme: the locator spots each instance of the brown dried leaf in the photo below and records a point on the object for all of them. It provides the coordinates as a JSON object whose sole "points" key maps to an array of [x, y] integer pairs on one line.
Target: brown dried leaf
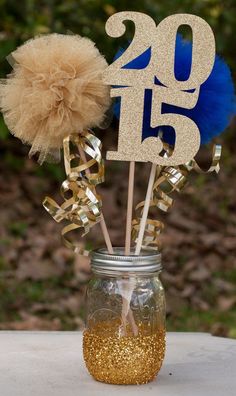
{"points": [[30, 322], [38, 270], [226, 303], [200, 274]]}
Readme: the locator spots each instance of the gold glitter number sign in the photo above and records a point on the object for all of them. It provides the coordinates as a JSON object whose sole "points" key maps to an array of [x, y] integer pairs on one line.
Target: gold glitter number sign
{"points": [[161, 39]]}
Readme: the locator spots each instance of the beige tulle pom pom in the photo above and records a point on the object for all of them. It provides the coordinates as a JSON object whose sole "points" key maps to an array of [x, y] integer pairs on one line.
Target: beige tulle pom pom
{"points": [[55, 89]]}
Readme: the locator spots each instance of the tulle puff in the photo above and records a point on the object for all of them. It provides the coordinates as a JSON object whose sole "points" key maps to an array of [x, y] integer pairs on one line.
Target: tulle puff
{"points": [[55, 89]]}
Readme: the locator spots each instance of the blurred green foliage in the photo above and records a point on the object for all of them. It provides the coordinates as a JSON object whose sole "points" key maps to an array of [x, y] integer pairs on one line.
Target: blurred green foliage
{"points": [[24, 19], [21, 20], [27, 18]]}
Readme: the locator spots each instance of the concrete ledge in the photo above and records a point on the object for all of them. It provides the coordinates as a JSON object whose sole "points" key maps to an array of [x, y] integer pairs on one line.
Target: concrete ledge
{"points": [[51, 364]]}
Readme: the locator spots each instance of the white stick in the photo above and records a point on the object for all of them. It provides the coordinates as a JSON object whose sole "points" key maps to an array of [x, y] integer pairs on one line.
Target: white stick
{"points": [[139, 244], [129, 208], [126, 311], [145, 210]]}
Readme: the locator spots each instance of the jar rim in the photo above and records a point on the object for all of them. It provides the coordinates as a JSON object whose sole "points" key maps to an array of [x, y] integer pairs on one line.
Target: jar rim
{"points": [[102, 262]]}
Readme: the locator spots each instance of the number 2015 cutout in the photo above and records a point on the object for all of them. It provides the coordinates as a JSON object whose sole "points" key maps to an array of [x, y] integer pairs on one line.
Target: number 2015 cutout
{"points": [[161, 39]]}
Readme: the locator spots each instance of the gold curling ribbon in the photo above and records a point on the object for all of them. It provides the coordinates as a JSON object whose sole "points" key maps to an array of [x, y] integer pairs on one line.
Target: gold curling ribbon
{"points": [[168, 179], [82, 205]]}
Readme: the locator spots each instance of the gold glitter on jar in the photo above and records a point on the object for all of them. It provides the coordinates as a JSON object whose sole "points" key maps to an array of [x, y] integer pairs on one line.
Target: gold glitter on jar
{"points": [[124, 339], [129, 359]]}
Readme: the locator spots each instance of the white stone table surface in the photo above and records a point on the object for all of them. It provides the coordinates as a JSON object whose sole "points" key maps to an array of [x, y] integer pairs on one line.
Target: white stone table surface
{"points": [[51, 364]]}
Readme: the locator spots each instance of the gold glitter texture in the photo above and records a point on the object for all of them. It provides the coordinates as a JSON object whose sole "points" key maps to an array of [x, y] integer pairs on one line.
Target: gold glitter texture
{"points": [[128, 359], [161, 39]]}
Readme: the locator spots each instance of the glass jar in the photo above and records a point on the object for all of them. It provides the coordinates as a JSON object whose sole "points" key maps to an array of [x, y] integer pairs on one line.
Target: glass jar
{"points": [[124, 339]]}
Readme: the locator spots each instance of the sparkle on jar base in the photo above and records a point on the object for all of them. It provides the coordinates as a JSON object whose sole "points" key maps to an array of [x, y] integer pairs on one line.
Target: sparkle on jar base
{"points": [[128, 359]]}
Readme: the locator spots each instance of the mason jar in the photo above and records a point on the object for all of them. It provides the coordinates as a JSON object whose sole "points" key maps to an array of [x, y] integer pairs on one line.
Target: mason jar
{"points": [[124, 338]]}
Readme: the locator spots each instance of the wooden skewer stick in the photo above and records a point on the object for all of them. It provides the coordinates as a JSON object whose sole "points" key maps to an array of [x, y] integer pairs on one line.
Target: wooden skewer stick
{"points": [[106, 235], [102, 221], [145, 210], [111, 251], [129, 208]]}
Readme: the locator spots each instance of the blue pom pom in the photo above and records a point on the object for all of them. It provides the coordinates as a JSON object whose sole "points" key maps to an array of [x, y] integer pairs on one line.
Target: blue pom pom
{"points": [[216, 103]]}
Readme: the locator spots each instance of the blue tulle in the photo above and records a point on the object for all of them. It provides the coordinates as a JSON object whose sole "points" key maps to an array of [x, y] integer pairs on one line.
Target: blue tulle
{"points": [[216, 103]]}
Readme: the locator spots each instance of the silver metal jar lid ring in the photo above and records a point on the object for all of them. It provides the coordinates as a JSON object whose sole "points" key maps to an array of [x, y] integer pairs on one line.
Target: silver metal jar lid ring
{"points": [[146, 262]]}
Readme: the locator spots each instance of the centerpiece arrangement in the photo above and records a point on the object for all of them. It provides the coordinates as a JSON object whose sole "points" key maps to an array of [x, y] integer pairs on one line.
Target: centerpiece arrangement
{"points": [[172, 96]]}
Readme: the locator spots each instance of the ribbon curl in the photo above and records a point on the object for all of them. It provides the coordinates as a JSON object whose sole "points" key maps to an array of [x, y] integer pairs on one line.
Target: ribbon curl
{"points": [[82, 205], [167, 180]]}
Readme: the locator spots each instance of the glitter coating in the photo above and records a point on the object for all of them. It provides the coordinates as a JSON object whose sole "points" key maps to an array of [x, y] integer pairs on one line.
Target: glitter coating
{"points": [[130, 85], [129, 359]]}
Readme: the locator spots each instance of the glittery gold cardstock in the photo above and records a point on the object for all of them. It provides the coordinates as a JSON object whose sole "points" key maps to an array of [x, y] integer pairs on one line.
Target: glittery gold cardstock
{"points": [[132, 83]]}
